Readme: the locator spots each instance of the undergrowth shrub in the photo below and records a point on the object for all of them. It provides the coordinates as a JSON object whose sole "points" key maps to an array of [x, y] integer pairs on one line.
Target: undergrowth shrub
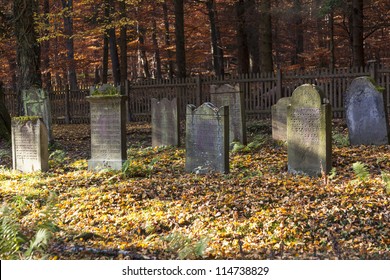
{"points": [[186, 247], [138, 168], [340, 140], [14, 244], [361, 171]]}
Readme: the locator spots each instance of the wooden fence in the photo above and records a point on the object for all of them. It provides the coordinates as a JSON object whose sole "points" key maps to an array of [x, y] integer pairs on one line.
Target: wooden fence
{"points": [[261, 91]]}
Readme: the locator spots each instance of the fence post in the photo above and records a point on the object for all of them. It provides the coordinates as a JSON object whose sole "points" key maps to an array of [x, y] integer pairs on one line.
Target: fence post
{"points": [[67, 104], [279, 84], [198, 82]]}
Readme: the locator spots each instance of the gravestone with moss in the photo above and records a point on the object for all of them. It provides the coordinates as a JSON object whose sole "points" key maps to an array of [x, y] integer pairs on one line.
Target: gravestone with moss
{"points": [[108, 128], [366, 113], [309, 132], [207, 139], [36, 103], [29, 144], [228, 95], [165, 122], [279, 119]]}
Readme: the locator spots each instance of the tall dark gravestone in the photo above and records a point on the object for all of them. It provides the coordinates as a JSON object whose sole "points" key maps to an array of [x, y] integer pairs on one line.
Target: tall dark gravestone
{"points": [[108, 132], [30, 151], [165, 122], [279, 119], [366, 114], [309, 132], [207, 139], [227, 95]]}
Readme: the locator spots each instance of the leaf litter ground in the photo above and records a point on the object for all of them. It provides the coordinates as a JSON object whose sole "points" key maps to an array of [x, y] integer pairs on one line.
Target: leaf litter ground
{"points": [[155, 210]]}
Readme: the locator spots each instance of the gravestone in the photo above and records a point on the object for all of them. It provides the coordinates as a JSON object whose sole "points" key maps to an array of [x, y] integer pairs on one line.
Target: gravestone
{"points": [[366, 114], [36, 103], [207, 139], [309, 132], [165, 122], [29, 144], [279, 119], [227, 95], [108, 132]]}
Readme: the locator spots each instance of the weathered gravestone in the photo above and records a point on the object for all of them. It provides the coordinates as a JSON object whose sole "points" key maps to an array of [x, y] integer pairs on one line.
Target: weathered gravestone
{"points": [[36, 103], [227, 95], [165, 122], [108, 131], [279, 119], [365, 112], [309, 132], [207, 139], [29, 144]]}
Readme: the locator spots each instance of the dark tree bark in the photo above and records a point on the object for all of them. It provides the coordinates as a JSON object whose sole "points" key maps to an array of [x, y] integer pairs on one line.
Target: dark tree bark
{"points": [[143, 58], [298, 21], [216, 45], [180, 39], [252, 23], [123, 45], [357, 33], [113, 48], [332, 60], [28, 51], [243, 49], [266, 36], [5, 119], [68, 31], [45, 49], [168, 41], [105, 60], [157, 57]]}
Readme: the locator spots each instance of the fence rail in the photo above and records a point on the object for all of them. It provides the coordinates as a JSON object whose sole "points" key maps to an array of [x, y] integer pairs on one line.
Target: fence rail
{"points": [[261, 91]]}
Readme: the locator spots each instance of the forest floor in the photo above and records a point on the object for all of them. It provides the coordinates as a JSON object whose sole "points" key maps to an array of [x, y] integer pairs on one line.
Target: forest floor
{"points": [[154, 210]]}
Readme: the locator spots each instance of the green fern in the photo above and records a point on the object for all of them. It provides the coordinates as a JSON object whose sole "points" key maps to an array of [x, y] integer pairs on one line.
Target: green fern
{"points": [[39, 243], [10, 238], [386, 180], [361, 171]]}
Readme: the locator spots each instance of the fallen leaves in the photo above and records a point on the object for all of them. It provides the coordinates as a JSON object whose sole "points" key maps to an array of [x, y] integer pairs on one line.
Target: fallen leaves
{"points": [[258, 211]]}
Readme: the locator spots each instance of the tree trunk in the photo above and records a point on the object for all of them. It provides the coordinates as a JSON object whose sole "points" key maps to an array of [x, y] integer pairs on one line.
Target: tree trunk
{"points": [[216, 45], [266, 36], [298, 33], [252, 24], [28, 52], [357, 33], [113, 48], [168, 41], [180, 39], [45, 50], [332, 61], [68, 31], [123, 45], [243, 49], [5, 119], [142, 52], [105, 60], [157, 57]]}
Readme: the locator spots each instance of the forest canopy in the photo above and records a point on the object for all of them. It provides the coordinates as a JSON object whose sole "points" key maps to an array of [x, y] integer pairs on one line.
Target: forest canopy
{"points": [[88, 42]]}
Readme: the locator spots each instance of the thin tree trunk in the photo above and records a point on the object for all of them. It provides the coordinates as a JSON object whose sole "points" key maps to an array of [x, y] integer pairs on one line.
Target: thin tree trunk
{"points": [[252, 33], [266, 36], [123, 45], [45, 50], [168, 41], [142, 52], [156, 51], [113, 48], [243, 50], [180, 39], [332, 61], [105, 60], [68, 31], [357, 33], [216, 45], [298, 32]]}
